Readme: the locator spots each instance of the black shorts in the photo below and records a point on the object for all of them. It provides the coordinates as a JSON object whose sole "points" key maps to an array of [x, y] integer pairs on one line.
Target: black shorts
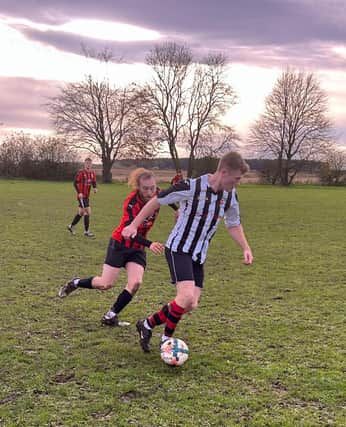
{"points": [[182, 267], [83, 203], [118, 256]]}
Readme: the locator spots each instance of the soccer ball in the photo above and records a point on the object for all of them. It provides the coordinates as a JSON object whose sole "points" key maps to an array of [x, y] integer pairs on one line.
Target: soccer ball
{"points": [[174, 352]]}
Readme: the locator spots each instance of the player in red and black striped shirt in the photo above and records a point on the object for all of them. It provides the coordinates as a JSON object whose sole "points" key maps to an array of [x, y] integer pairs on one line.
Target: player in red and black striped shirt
{"points": [[121, 253], [84, 180], [178, 177]]}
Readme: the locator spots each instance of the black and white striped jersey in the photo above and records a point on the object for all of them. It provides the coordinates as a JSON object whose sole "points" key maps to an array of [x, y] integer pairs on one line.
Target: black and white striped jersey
{"points": [[200, 212]]}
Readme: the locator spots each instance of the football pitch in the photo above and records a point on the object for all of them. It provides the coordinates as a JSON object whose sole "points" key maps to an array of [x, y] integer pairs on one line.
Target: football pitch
{"points": [[267, 343]]}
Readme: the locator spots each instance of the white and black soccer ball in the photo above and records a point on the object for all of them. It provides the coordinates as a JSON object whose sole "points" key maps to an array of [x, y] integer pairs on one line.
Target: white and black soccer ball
{"points": [[174, 352]]}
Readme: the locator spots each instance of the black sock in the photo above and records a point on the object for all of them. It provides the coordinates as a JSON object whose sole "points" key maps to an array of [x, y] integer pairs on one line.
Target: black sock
{"points": [[86, 222], [123, 299], [85, 283], [76, 220]]}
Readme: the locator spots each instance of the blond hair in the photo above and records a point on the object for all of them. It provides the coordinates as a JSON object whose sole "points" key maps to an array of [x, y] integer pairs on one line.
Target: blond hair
{"points": [[233, 161], [136, 175]]}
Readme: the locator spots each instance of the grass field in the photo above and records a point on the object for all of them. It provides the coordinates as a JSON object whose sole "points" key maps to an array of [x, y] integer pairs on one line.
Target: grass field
{"points": [[267, 343]]}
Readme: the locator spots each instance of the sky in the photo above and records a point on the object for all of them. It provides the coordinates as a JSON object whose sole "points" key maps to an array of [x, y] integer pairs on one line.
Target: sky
{"points": [[41, 45]]}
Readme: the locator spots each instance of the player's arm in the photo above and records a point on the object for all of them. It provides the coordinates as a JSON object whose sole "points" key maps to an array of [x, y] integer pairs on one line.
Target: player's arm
{"points": [[141, 240], [76, 184], [129, 220], [238, 235], [155, 247], [174, 206], [235, 229], [148, 209], [94, 184], [173, 194]]}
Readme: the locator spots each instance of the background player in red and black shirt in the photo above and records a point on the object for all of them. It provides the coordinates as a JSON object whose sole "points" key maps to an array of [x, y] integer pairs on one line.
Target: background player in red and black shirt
{"points": [[121, 253], [84, 180], [178, 177]]}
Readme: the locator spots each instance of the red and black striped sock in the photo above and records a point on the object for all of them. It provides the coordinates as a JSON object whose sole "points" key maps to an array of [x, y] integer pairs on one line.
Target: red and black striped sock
{"points": [[174, 315], [159, 317]]}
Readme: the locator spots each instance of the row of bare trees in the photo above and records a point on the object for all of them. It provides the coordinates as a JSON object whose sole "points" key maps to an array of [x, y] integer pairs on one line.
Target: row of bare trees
{"points": [[37, 157], [182, 105]]}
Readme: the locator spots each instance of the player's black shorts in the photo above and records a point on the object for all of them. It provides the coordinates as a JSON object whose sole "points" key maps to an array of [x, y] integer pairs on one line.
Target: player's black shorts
{"points": [[183, 267], [118, 256], [83, 203]]}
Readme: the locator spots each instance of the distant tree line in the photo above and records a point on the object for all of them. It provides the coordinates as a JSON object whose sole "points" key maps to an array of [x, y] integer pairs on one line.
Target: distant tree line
{"points": [[309, 166], [51, 158], [182, 105], [37, 157], [331, 171]]}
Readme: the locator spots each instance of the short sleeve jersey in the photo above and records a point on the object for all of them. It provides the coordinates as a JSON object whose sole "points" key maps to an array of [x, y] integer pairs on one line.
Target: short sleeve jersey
{"points": [[83, 182], [200, 212]]}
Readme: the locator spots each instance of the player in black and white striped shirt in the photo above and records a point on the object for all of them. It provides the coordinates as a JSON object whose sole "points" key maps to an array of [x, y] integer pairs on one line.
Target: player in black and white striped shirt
{"points": [[203, 202]]}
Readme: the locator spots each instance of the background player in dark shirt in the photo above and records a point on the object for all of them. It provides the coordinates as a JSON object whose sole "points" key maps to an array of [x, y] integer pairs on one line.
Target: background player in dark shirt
{"points": [[84, 180], [122, 253], [178, 177]]}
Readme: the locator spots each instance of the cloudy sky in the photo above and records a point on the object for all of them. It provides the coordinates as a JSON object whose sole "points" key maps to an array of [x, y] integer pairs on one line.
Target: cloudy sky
{"points": [[41, 48]]}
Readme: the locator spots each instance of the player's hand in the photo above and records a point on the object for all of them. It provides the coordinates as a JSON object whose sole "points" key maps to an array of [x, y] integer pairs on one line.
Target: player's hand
{"points": [[129, 232], [95, 190], [248, 257], [157, 248], [80, 195]]}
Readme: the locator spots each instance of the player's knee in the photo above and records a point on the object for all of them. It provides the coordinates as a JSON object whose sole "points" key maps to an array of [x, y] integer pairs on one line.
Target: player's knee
{"points": [[104, 285], [190, 303], [194, 305], [133, 287]]}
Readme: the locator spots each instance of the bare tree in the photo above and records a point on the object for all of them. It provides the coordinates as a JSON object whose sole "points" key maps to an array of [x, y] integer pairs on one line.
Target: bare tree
{"points": [[103, 120], [209, 97], [188, 97], [333, 168], [167, 91], [15, 149], [214, 142], [294, 125]]}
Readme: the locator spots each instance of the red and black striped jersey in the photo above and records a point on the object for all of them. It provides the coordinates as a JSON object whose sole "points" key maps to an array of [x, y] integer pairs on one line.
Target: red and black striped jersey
{"points": [[178, 177], [132, 205], [83, 182]]}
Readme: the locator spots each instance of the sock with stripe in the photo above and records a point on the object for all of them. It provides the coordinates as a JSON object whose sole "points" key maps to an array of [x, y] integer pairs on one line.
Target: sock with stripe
{"points": [[159, 317], [174, 315]]}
